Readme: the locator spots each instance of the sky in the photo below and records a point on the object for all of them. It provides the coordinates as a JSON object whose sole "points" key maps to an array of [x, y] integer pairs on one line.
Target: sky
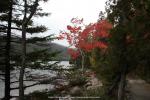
{"points": [[62, 11]]}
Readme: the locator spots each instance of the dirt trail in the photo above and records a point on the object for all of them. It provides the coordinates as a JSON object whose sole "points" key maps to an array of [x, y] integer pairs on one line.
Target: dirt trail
{"points": [[140, 90]]}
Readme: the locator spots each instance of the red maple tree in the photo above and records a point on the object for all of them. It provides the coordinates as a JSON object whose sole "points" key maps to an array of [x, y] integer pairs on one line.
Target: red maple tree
{"points": [[86, 39]]}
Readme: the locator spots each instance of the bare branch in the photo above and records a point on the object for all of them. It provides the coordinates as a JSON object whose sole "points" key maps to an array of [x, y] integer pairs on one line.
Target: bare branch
{"points": [[23, 80], [26, 86]]}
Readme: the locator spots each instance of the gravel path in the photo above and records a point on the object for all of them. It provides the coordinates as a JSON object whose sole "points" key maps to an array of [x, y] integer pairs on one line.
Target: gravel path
{"points": [[140, 90]]}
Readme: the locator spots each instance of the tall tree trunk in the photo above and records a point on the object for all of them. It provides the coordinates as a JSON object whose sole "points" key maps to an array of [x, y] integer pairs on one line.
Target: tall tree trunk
{"points": [[24, 26], [7, 54], [23, 63], [22, 69], [123, 59], [124, 65]]}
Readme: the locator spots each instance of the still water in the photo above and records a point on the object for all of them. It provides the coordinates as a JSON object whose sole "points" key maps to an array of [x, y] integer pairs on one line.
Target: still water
{"points": [[36, 87]]}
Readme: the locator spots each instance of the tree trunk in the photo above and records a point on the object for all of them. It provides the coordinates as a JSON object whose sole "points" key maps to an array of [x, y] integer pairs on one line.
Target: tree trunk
{"points": [[22, 69], [83, 63], [24, 26], [21, 77], [121, 87], [82, 60], [7, 54], [124, 64], [114, 85]]}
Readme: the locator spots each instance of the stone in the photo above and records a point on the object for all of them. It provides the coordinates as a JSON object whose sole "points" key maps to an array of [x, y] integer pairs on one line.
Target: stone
{"points": [[75, 90]]}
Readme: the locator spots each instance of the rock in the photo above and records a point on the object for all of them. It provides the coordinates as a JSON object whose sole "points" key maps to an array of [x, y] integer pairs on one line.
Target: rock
{"points": [[63, 92], [75, 90], [94, 83], [60, 87], [88, 84]]}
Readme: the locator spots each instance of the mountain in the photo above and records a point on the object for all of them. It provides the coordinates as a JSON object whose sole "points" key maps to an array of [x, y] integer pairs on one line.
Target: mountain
{"points": [[52, 47], [63, 49]]}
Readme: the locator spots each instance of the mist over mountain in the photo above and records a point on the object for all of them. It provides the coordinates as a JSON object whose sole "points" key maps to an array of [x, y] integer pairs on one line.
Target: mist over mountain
{"points": [[53, 47], [31, 47]]}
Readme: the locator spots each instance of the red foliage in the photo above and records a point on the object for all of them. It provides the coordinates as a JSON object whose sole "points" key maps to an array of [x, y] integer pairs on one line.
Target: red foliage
{"points": [[89, 38], [101, 45], [102, 28], [73, 53], [76, 21], [73, 29]]}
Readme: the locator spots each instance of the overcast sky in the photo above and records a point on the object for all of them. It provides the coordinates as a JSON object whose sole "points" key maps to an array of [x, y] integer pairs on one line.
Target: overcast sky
{"points": [[62, 11]]}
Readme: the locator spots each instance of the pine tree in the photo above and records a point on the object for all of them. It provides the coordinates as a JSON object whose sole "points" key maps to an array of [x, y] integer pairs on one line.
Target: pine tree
{"points": [[130, 19], [28, 23], [6, 7]]}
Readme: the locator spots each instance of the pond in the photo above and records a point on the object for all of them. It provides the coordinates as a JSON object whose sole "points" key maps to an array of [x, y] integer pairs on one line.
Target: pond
{"points": [[15, 73]]}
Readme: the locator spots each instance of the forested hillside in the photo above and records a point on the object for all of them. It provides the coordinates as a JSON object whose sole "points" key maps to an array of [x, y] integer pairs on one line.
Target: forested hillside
{"points": [[52, 47]]}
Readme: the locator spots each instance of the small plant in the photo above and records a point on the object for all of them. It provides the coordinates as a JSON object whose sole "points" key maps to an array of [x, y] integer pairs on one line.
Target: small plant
{"points": [[76, 78]]}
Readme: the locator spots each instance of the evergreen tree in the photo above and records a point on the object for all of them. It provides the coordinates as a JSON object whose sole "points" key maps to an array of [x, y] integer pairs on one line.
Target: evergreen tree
{"points": [[42, 54], [130, 38], [6, 7], [7, 67]]}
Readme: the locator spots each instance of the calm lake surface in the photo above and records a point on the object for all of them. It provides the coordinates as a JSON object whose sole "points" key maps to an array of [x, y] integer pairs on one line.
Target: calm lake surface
{"points": [[36, 87]]}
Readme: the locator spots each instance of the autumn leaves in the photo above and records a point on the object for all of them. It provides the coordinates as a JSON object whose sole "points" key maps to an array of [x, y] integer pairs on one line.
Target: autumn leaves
{"points": [[86, 37]]}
